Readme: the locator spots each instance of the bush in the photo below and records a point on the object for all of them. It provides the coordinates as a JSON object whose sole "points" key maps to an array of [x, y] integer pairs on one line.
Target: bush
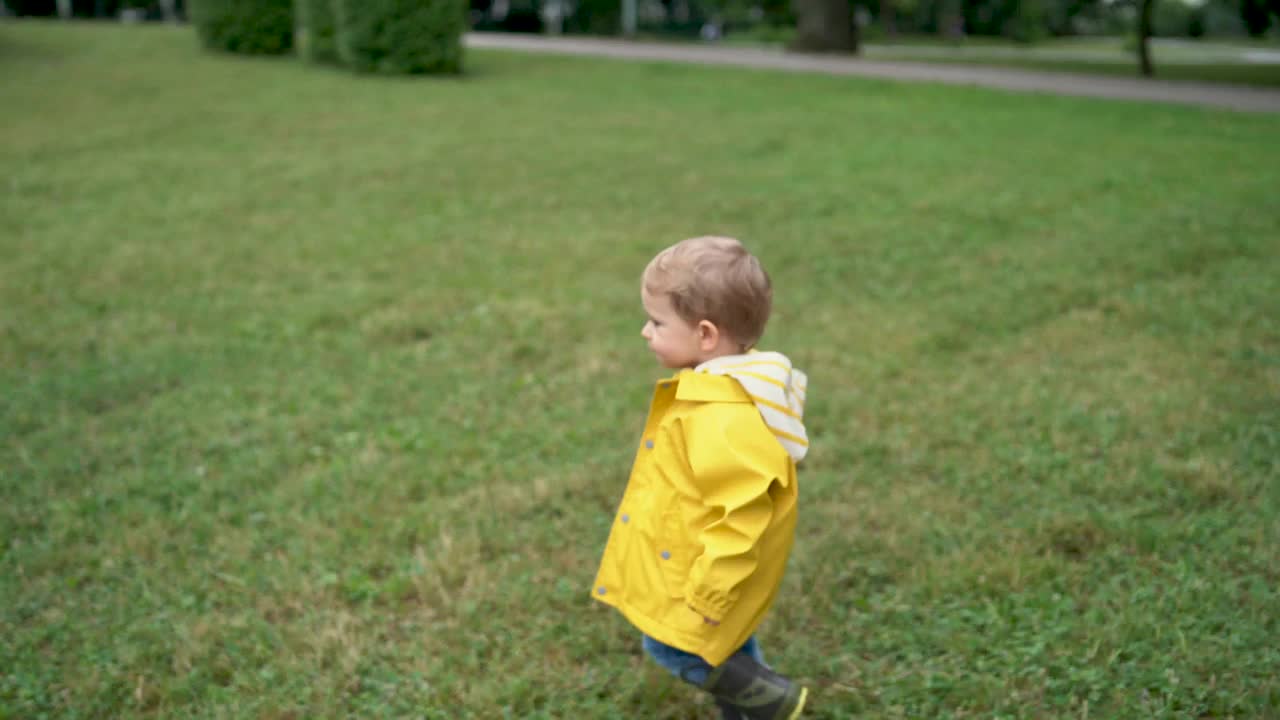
{"points": [[1028, 25], [244, 26], [595, 17], [1222, 21], [1256, 15], [1196, 23], [401, 36], [315, 34]]}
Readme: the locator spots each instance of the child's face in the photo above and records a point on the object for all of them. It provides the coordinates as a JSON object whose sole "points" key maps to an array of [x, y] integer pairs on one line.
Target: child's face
{"points": [[675, 342]]}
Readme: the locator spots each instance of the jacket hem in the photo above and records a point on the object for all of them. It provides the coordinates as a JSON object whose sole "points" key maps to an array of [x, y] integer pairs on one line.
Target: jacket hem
{"points": [[667, 635]]}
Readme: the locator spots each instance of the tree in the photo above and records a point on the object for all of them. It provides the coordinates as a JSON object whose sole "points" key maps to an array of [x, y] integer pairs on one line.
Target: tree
{"points": [[1145, 11], [824, 26], [1256, 15]]}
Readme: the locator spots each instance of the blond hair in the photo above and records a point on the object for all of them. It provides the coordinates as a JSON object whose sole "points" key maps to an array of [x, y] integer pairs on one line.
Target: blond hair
{"points": [[714, 279]]}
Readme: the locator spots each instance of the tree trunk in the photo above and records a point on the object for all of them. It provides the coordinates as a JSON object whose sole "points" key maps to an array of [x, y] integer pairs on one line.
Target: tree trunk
{"points": [[1144, 37], [824, 26]]}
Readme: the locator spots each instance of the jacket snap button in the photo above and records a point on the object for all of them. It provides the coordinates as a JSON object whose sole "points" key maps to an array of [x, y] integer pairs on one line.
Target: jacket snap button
{"points": [[666, 555], [600, 590], [648, 444], [626, 518]]}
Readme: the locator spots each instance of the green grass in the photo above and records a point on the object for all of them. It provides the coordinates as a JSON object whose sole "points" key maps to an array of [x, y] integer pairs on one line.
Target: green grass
{"points": [[317, 392]]}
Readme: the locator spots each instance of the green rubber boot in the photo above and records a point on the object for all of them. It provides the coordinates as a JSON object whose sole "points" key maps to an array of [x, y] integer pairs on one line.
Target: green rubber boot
{"points": [[754, 691]]}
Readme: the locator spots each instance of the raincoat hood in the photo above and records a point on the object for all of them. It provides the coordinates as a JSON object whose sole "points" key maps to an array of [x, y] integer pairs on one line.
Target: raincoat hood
{"points": [[777, 389]]}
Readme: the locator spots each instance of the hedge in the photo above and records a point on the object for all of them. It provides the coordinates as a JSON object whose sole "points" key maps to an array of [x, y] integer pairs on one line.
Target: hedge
{"points": [[244, 26], [401, 36], [314, 35]]}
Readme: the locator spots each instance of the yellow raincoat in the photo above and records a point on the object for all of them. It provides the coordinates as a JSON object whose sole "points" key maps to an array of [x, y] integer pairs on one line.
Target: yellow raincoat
{"points": [[708, 516]]}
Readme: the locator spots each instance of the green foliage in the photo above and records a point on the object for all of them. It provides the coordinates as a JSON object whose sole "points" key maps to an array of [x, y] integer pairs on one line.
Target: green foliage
{"points": [[1028, 23], [1223, 20], [401, 36], [778, 14], [32, 7], [283, 441], [595, 17], [770, 34], [1258, 15], [315, 31], [1171, 19], [250, 27], [1197, 23]]}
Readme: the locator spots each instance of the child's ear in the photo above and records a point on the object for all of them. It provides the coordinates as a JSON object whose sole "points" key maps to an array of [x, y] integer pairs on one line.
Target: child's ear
{"points": [[708, 335]]}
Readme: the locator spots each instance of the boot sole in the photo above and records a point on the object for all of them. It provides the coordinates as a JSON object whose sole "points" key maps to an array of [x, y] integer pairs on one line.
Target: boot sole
{"points": [[804, 696]]}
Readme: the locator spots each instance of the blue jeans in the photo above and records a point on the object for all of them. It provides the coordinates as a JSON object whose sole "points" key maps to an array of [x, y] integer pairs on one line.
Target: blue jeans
{"points": [[689, 667]]}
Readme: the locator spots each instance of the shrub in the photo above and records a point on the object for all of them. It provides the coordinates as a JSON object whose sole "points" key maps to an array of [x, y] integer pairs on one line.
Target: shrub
{"points": [[244, 26], [315, 33], [1028, 24], [401, 36], [595, 17]]}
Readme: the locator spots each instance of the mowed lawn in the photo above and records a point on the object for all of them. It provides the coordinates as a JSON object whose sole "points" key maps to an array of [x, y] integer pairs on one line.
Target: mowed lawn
{"points": [[317, 392]]}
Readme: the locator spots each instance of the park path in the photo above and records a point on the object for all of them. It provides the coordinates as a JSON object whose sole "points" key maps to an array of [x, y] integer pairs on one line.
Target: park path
{"points": [[1231, 97]]}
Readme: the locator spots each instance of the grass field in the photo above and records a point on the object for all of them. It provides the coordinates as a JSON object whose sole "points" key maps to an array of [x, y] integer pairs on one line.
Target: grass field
{"points": [[317, 392]]}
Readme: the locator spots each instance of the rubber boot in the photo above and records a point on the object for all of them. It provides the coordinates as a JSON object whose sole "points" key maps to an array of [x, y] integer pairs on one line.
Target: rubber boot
{"points": [[755, 691]]}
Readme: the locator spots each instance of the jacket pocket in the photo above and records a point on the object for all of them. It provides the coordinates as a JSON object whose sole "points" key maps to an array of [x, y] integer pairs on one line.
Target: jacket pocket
{"points": [[675, 555]]}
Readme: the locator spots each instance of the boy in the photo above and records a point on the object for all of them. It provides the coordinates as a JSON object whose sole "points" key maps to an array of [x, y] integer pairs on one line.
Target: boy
{"points": [[700, 541]]}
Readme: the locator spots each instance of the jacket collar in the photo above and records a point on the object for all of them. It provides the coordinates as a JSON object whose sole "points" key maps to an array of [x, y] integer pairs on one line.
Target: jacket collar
{"points": [[703, 387]]}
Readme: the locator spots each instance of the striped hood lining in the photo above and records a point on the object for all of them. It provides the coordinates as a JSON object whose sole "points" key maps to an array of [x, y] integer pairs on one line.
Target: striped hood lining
{"points": [[777, 389]]}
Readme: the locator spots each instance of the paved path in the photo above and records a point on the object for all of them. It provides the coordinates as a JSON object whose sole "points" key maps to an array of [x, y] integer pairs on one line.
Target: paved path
{"points": [[1232, 97]]}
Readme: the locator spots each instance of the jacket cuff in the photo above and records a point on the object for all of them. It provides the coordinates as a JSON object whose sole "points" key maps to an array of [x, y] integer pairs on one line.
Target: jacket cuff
{"points": [[713, 606]]}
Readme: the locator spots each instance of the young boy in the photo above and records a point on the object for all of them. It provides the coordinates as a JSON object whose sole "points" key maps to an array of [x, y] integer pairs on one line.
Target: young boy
{"points": [[700, 541]]}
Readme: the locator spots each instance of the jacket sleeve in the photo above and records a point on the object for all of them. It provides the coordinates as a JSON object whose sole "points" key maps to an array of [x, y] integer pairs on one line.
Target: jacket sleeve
{"points": [[735, 461]]}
